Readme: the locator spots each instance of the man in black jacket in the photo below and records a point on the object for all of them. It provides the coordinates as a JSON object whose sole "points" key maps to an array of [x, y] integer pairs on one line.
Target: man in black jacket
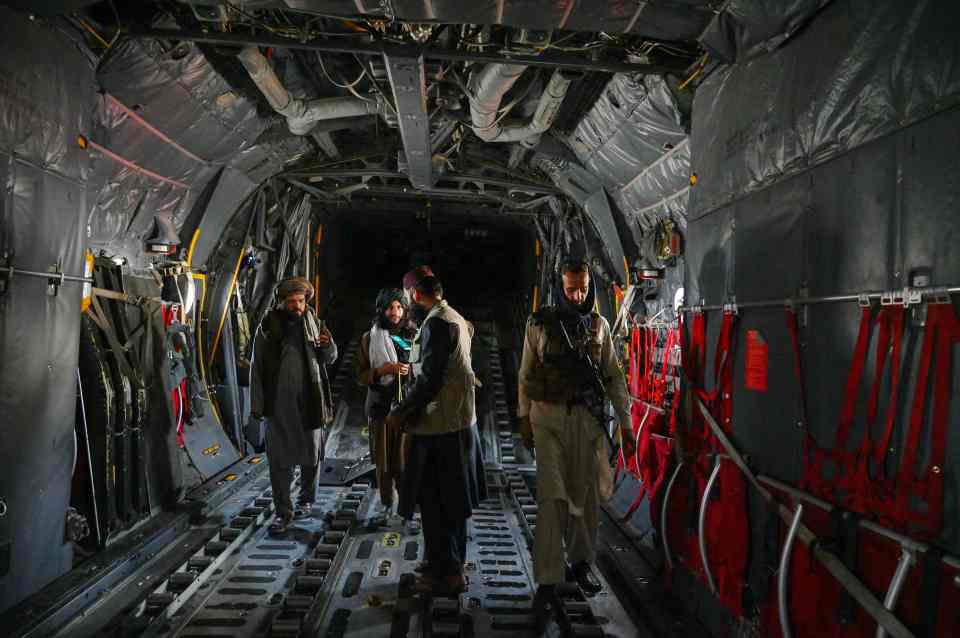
{"points": [[289, 389]]}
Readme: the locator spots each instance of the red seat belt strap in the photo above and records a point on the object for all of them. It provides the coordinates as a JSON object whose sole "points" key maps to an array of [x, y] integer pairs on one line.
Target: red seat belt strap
{"points": [[942, 333], [853, 383], [883, 445]]}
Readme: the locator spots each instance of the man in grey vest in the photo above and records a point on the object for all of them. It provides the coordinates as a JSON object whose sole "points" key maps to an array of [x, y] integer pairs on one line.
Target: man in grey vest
{"points": [[438, 414]]}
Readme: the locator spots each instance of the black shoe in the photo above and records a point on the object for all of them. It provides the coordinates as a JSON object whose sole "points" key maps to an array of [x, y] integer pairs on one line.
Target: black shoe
{"points": [[544, 602], [281, 522], [585, 579]]}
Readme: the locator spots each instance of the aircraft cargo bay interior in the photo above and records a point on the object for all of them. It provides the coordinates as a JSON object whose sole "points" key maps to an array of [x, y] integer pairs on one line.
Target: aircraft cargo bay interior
{"points": [[439, 318]]}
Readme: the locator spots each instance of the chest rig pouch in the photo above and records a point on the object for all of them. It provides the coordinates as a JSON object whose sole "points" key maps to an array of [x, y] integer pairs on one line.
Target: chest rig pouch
{"points": [[560, 376]]}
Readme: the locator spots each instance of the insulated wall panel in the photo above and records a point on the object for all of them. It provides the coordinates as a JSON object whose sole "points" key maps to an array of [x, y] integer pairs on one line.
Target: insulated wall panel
{"points": [[46, 86], [862, 70], [710, 259], [39, 338], [930, 201]]}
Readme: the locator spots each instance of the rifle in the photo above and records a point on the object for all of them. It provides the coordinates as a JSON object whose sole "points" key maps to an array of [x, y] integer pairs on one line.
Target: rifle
{"points": [[594, 394]]}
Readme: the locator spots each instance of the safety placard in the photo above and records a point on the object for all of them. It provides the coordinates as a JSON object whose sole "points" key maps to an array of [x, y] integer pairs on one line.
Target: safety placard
{"points": [[757, 362]]}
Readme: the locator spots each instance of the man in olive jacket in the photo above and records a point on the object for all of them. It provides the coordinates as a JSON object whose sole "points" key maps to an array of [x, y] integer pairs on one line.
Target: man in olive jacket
{"points": [[289, 389], [438, 413]]}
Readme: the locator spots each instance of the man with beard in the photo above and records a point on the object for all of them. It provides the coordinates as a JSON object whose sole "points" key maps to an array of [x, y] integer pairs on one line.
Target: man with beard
{"points": [[439, 415], [289, 387], [570, 443], [382, 365]]}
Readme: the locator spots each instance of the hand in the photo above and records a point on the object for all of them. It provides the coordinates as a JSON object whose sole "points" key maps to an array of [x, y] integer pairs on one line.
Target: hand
{"points": [[323, 339], [526, 433], [401, 369]]}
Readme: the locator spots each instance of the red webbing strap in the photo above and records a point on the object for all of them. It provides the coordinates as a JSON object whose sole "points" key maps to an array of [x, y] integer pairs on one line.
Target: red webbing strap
{"points": [[906, 478], [848, 410], [864, 493], [897, 313], [883, 348], [723, 366], [675, 405], [942, 334], [698, 349], [727, 525], [634, 361], [633, 374]]}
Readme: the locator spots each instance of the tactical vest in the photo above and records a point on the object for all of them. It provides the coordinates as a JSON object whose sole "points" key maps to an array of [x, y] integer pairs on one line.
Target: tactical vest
{"points": [[558, 375]]}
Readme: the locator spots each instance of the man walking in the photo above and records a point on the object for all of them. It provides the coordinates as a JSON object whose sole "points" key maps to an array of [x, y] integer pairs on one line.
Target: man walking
{"points": [[555, 416], [439, 414], [290, 389]]}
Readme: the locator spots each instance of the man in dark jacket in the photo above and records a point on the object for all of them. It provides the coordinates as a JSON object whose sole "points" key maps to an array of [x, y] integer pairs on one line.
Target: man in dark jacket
{"points": [[289, 388], [439, 416]]}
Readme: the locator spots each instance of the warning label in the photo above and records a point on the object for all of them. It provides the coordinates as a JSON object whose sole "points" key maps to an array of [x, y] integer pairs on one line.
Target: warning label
{"points": [[757, 362]]}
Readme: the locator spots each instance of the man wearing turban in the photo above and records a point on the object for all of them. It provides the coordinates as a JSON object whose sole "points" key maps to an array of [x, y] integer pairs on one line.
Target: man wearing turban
{"points": [[289, 388]]}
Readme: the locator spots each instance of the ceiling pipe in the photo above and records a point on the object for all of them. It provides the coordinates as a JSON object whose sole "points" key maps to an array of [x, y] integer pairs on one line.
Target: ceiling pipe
{"points": [[490, 85], [302, 115]]}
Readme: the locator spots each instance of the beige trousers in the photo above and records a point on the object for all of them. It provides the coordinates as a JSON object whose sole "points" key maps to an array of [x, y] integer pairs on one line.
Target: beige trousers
{"points": [[567, 488]]}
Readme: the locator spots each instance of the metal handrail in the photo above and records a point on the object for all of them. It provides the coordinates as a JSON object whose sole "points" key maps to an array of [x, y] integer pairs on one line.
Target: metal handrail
{"points": [[59, 277], [784, 573], [896, 584], [902, 296], [701, 524], [904, 541], [663, 515], [849, 581]]}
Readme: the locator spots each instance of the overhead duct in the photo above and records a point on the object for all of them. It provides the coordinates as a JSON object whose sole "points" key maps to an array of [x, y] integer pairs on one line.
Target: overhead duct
{"points": [[492, 83], [302, 115]]}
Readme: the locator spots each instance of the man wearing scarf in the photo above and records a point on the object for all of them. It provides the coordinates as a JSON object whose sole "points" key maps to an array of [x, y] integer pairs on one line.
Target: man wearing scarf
{"points": [[289, 387], [571, 446], [439, 415], [382, 363]]}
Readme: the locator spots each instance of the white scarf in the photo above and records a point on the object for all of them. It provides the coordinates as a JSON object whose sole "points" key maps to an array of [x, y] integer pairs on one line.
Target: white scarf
{"points": [[382, 351]]}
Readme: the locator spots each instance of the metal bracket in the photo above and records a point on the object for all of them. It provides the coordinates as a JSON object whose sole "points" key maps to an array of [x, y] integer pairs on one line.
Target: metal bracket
{"points": [[904, 297], [730, 308], [863, 300], [937, 295], [54, 282]]}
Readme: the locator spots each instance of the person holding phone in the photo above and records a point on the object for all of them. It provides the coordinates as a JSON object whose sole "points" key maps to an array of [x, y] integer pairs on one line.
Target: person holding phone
{"points": [[289, 387], [382, 366]]}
